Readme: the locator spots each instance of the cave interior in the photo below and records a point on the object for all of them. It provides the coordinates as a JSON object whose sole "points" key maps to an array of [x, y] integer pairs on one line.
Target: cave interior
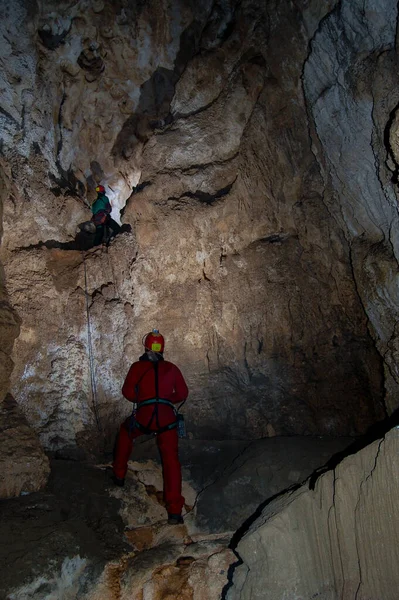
{"points": [[250, 151]]}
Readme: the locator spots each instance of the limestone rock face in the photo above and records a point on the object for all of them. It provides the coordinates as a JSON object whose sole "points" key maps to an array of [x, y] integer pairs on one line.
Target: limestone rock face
{"points": [[263, 211], [199, 576], [24, 467], [336, 541], [9, 320], [53, 381], [355, 130]]}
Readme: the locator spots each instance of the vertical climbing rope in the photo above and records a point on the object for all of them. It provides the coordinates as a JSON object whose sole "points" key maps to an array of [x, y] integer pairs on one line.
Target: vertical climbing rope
{"points": [[90, 348], [113, 276]]}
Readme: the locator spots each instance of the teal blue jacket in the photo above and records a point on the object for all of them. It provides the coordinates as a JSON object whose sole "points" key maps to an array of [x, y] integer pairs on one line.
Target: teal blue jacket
{"points": [[101, 209]]}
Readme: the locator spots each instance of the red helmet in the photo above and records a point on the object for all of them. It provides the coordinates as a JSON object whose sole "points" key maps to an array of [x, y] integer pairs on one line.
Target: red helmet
{"points": [[154, 341], [100, 189]]}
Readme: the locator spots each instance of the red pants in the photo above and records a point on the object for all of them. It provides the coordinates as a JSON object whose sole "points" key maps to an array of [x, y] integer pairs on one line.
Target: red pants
{"points": [[168, 448]]}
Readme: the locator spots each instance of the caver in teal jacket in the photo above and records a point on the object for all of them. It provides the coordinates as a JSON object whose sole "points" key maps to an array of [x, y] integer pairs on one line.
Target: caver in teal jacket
{"points": [[101, 209]]}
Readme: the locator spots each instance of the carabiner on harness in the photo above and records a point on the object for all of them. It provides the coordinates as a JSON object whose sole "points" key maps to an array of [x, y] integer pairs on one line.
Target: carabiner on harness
{"points": [[181, 426], [132, 420]]}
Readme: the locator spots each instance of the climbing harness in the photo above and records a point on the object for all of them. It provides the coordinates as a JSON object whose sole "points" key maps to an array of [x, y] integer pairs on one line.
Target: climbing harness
{"points": [[146, 429], [179, 422], [90, 349]]}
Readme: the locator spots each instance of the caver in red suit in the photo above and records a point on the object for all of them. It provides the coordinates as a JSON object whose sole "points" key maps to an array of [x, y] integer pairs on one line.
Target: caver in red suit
{"points": [[153, 378]]}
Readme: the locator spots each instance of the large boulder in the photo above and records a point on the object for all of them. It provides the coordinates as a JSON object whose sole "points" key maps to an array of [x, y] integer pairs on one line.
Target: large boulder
{"points": [[336, 541]]}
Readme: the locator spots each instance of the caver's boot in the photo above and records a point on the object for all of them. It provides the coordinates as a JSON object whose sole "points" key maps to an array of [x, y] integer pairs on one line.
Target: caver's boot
{"points": [[175, 519], [118, 481]]}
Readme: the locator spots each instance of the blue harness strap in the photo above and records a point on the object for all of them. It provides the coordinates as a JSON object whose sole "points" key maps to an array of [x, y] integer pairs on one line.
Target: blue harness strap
{"points": [[155, 401], [148, 431]]}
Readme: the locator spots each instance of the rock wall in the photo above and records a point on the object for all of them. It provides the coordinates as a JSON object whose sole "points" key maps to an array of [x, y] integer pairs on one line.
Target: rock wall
{"points": [[9, 321], [274, 269], [336, 541], [351, 85], [218, 139], [24, 467]]}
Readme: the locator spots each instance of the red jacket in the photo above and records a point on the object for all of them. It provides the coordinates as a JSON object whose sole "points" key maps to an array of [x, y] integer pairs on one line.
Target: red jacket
{"points": [[140, 385]]}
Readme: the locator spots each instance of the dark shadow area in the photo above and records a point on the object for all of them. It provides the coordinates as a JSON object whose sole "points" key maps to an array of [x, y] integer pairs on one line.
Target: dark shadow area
{"points": [[72, 515], [156, 94], [230, 574], [375, 432], [210, 199], [83, 240], [387, 143]]}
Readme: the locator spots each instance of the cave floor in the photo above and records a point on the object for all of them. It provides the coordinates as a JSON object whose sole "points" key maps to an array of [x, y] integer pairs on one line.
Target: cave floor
{"points": [[81, 522], [73, 516]]}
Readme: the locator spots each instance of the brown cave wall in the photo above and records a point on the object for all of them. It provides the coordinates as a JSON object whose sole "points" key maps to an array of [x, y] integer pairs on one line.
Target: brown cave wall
{"points": [[24, 467], [9, 320], [265, 282], [54, 360], [236, 255]]}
